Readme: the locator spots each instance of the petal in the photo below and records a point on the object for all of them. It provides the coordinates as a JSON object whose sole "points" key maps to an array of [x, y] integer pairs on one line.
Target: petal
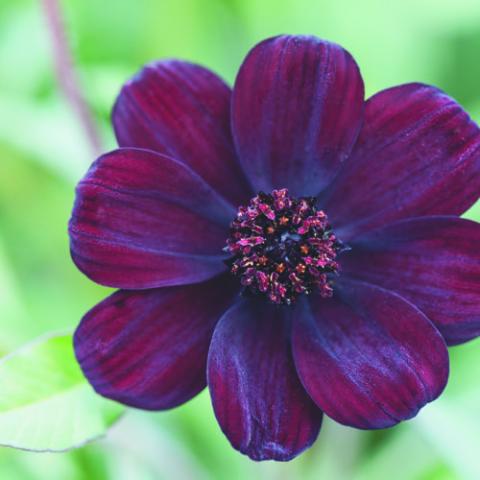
{"points": [[367, 357], [297, 110], [182, 110], [257, 397], [418, 154], [433, 262], [143, 220], [148, 348]]}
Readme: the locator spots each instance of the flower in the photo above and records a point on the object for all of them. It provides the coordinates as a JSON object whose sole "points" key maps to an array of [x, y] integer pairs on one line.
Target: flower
{"points": [[296, 248]]}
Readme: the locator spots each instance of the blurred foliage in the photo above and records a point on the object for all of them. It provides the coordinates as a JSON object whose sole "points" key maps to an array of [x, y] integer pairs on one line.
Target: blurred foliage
{"points": [[47, 404], [43, 153]]}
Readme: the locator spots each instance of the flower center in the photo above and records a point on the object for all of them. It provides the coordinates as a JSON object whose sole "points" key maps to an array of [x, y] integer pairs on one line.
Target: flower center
{"points": [[282, 246]]}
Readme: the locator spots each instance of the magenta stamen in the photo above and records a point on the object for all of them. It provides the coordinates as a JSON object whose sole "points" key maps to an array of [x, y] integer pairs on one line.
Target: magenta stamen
{"points": [[282, 247]]}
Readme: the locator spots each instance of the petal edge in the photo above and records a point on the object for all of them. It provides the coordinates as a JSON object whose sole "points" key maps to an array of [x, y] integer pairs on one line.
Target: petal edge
{"points": [[368, 358], [143, 220], [418, 154], [256, 395], [297, 109], [148, 348]]}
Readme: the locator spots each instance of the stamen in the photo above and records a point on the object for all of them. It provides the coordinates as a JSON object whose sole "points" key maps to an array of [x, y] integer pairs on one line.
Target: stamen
{"points": [[282, 247]]}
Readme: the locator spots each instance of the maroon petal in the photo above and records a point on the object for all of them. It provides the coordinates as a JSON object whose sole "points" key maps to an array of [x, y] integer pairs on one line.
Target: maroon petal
{"points": [[433, 262], [148, 348], [367, 357], [418, 154], [182, 110], [257, 397], [144, 220], [297, 110]]}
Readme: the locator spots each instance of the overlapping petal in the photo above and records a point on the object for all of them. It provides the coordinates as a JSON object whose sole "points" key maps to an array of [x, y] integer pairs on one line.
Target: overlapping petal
{"points": [[417, 154], [257, 397], [367, 357], [144, 220], [148, 348], [433, 262], [297, 109], [182, 110]]}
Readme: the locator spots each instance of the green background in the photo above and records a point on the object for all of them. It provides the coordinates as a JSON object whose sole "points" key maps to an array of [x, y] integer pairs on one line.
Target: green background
{"points": [[43, 152]]}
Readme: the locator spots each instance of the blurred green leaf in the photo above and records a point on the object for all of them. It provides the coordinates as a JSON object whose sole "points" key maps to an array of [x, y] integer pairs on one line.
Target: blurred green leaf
{"points": [[10, 301], [68, 155], [455, 421], [46, 403], [390, 456]]}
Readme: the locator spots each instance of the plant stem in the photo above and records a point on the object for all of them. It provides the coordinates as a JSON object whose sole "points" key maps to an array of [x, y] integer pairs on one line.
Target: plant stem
{"points": [[66, 75]]}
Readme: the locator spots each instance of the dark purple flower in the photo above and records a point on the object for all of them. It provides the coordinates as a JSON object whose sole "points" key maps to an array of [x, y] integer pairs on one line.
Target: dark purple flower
{"points": [[296, 248]]}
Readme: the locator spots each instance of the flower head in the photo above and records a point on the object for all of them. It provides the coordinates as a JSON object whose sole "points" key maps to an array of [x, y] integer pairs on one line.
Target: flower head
{"points": [[296, 248]]}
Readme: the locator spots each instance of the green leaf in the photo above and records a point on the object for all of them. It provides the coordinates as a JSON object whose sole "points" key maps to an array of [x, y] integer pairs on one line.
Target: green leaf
{"points": [[45, 403]]}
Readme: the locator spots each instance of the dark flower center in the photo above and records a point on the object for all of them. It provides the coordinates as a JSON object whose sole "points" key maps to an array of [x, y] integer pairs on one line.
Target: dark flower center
{"points": [[282, 246]]}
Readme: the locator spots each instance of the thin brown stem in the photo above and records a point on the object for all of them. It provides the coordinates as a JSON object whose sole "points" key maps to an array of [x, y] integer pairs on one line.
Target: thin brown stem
{"points": [[66, 75]]}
